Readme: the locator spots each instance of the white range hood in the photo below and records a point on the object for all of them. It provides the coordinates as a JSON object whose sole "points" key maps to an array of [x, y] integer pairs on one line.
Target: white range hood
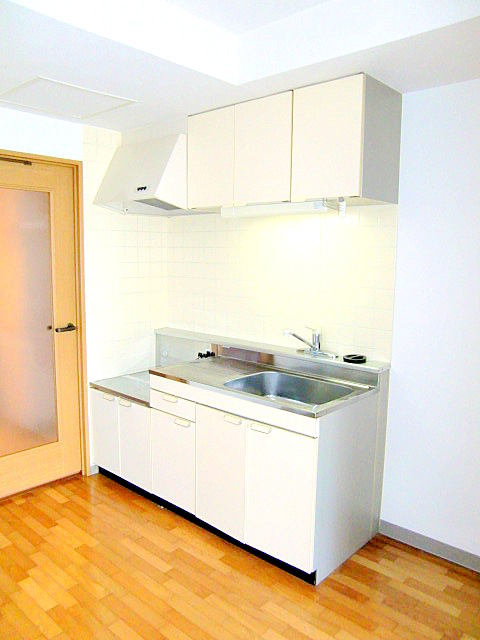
{"points": [[148, 178]]}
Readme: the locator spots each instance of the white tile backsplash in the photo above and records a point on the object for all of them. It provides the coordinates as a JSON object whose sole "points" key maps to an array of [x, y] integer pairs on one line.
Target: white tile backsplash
{"points": [[253, 277]]}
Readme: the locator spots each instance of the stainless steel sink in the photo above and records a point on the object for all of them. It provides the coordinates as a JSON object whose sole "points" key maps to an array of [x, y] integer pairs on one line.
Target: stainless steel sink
{"points": [[287, 387]]}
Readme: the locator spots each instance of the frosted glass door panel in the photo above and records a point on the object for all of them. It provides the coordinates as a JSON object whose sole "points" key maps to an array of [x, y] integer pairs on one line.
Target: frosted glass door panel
{"points": [[28, 415]]}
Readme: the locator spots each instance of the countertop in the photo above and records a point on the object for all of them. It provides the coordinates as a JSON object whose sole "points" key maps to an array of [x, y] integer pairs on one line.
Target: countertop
{"points": [[131, 386], [212, 373]]}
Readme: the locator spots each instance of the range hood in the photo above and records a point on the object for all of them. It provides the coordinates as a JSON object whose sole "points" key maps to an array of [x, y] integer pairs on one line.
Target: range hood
{"points": [[148, 178]]}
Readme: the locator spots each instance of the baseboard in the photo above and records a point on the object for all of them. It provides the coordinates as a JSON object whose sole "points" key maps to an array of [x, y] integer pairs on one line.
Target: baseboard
{"points": [[436, 548]]}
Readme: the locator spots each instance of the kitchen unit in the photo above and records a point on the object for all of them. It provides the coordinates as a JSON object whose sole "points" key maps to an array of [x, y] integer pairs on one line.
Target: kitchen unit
{"points": [[297, 481]]}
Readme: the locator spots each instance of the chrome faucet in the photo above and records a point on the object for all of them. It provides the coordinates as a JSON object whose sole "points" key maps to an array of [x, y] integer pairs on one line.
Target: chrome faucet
{"points": [[314, 345]]}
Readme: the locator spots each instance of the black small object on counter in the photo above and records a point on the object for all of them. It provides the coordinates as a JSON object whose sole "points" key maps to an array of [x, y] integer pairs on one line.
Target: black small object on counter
{"points": [[355, 358], [207, 354]]}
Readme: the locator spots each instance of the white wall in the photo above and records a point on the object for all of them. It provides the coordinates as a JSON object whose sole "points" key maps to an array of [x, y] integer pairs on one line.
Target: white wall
{"points": [[253, 277], [30, 133], [124, 288], [432, 469]]}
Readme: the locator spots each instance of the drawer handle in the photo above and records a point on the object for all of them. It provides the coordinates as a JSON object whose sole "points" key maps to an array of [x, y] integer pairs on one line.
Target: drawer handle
{"points": [[261, 428], [232, 419], [182, 423], [124, 403], [168, 398], [107, 396]]}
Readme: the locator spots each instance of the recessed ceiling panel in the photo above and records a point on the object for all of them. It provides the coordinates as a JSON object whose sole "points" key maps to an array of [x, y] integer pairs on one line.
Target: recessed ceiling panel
{"points": [[59, 98], [239, 16]]}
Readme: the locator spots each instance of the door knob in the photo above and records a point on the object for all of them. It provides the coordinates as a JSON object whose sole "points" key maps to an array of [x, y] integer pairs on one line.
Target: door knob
{"points": [[69, 327]]}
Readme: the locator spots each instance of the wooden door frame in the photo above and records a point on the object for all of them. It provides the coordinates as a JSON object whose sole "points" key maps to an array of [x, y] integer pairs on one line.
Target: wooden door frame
{"points": [[77, 167]]}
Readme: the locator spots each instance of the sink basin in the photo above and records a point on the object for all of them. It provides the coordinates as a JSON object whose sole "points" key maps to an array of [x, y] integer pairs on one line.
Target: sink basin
{"points": [[288, 387]]}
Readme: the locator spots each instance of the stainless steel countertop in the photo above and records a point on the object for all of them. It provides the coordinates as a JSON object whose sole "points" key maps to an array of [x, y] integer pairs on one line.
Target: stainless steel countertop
{"points": [[131, 386], [212, 373], [372, 366]]}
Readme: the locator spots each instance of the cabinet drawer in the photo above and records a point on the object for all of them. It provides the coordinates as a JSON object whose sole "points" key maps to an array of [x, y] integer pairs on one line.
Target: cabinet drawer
{"points": [[172, 404]]}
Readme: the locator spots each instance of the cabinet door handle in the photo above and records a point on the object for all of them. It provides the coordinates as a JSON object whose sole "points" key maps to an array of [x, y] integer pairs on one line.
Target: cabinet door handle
{"points": [[124, 403], [182, 423], [107, 396], [261, 428], [168, 398], [232, 419]]}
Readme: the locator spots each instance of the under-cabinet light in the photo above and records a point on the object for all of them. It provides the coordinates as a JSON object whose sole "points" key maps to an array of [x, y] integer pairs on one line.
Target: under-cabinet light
{"points": [[285, 208]]}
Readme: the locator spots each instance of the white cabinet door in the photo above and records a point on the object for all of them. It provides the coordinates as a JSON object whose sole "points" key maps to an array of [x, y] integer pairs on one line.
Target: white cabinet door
{"points": [[280, 503], [104, 413], [263, 139], [328, 139], [210, 159], [173, 459], [134, 427], [220, 470]]}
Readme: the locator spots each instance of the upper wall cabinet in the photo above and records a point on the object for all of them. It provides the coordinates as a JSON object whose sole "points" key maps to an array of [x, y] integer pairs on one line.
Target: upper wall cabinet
{"points": [[338, 139], [241, 154], [346, 140], [263, 138], [211, 158]]}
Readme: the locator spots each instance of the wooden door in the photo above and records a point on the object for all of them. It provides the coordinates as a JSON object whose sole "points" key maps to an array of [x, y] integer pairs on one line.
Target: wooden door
{"points": [[41, 380]]}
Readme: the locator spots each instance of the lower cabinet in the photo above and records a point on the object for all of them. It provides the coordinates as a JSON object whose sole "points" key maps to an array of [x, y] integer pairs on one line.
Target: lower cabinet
{"points": [[106, 446], [121, 437], [253, 481], [173, 459], [280, 485], [134, 430], [303, 500], [220, 470]]}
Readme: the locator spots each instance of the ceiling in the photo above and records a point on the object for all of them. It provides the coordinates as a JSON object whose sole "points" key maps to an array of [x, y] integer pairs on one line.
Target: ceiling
{"points": [[239, 16], [108, 64]]}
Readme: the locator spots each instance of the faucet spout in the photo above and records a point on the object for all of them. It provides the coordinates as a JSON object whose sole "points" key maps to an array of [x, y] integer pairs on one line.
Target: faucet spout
{"points": [[289, 332], [314, 345]]}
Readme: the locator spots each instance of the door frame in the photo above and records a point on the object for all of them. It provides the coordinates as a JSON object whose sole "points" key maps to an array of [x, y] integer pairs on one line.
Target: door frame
{"points": [[77, 167]]}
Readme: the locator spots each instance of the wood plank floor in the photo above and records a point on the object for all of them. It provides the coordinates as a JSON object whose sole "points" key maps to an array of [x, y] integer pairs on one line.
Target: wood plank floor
{"points": [[86, 558]]}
